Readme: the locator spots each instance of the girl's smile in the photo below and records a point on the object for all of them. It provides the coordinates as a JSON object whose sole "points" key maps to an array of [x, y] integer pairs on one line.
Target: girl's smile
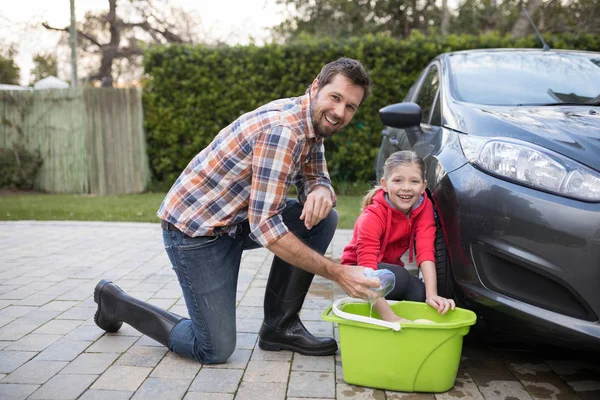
{"points": [[404, 186]]}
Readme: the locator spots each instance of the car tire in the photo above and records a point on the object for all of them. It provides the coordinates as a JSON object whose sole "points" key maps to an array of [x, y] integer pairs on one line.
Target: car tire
{"points": [[445, 285]]}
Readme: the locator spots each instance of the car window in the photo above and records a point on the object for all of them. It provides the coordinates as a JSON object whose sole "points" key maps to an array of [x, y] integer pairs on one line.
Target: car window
{"points": [[525, 78], [411, 91], [428, 92], [436, 114]]}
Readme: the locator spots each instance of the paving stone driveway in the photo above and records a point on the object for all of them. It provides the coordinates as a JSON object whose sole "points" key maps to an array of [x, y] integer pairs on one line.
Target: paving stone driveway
{"points": [[50, 347]]}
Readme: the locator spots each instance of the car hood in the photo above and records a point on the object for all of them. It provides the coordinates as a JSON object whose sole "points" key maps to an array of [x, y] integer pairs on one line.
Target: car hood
{"points": [[573, 131]]}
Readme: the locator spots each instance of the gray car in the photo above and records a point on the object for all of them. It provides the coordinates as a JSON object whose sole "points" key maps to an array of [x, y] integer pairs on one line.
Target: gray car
{"points": [[511, 140]]}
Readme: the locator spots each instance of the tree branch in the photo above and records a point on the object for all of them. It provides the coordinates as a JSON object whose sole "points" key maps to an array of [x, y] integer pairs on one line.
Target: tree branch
{"points": [[166, 34], [80, 33], [126, 52]]}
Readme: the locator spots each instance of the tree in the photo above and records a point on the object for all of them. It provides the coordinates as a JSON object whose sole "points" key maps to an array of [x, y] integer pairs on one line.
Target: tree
{"points": [[113, 42], [476, 16], [44, 65], [572, 16], [445, 25], [9, 70], [331, 18], [558, 16], [523, 26], [342, 18], [398, 18]]}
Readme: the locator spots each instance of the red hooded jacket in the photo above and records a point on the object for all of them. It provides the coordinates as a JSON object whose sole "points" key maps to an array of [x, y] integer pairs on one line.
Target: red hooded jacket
{"points": [[383, 234]]}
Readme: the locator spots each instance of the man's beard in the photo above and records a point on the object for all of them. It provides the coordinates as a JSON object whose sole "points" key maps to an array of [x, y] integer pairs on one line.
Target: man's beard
{"points": [[321, 131], [319, 128]]}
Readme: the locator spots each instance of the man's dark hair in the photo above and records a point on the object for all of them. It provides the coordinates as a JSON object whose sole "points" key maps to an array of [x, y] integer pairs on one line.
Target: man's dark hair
{"points": [[351, 69]]}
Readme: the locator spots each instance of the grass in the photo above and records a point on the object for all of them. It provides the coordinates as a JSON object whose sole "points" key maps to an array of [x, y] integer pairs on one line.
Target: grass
{"points": [[122, 208]]}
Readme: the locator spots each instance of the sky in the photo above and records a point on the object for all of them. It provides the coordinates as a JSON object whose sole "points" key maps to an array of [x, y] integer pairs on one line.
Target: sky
{"points": [[232, 21]]}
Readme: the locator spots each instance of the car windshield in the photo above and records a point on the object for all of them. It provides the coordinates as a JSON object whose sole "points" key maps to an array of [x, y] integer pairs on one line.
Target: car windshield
{"points": [[525, 78]]}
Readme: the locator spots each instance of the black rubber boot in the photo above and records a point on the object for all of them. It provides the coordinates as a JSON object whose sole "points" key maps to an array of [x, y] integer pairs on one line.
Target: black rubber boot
{"points": [[115, 307], [282, 329]]}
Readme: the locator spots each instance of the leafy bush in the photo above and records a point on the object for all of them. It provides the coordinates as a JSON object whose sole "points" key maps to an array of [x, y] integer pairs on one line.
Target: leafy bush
{"points": [[191, 93], [18, 167]]}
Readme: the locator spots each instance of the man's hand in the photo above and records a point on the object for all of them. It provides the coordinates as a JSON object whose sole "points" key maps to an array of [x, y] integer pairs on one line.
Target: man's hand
{"points": [[352, 279], [318, 205]]}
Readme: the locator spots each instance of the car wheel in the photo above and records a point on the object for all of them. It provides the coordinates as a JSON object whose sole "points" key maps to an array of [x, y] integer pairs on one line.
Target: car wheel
{"points": [[445, 285]]}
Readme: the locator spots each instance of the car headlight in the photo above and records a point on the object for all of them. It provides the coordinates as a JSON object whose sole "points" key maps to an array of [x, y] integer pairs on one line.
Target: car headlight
{"points": [[533, 166]]}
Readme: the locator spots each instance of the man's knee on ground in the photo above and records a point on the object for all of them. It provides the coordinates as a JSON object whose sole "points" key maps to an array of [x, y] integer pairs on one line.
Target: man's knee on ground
{"points": [[217, 354]]}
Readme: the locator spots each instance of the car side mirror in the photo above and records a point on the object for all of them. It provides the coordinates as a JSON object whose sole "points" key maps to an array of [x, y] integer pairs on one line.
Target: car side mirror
{"points": [[401, 115]]}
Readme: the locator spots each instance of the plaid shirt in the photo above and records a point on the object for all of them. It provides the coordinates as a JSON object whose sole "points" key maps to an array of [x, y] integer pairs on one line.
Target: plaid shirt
{"points": [[245, 174]]}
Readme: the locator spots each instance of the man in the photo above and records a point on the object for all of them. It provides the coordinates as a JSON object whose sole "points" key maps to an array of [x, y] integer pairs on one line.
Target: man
{"points": [[232, 197]]}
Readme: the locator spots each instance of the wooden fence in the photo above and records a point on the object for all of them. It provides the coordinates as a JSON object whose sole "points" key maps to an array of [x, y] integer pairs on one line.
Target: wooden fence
{"points": [[91, 139]]}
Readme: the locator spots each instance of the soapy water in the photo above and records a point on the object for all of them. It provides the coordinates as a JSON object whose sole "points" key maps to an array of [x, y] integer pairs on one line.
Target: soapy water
{"points": [[387, 281]]}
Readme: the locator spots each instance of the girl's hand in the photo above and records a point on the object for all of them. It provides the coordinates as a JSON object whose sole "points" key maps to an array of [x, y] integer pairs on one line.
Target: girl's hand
{"points": [[386, 313], [441, 304]]}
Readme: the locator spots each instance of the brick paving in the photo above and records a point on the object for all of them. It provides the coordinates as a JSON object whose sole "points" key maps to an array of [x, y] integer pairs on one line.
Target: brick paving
{"points": [[50, 347]]}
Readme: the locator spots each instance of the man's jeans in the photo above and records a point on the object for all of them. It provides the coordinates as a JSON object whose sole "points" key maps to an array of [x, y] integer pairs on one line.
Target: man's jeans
{"points": [[207, 269]]}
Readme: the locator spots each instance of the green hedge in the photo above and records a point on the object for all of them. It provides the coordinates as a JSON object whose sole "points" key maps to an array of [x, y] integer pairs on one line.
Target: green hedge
{"points": [[192, 92], [18, 167]]}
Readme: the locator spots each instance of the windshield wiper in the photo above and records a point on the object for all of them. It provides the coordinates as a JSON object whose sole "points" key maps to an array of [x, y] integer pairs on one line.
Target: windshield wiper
{"points": [[586, 103]]}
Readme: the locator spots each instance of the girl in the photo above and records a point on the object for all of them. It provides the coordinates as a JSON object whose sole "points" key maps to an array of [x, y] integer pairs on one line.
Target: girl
{"points": [[395, 215]]}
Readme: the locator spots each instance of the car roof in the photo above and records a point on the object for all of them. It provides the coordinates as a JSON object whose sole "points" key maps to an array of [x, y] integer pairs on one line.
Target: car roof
{"points": [[519, 50]]}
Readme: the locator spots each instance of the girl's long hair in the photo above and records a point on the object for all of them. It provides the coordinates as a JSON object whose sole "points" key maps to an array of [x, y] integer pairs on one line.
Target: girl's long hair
{"points": [[394, 160]]}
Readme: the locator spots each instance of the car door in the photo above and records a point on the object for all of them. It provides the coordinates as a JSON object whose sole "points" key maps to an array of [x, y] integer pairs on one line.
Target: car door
{"points": [[427, 96], [426, 93]]}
